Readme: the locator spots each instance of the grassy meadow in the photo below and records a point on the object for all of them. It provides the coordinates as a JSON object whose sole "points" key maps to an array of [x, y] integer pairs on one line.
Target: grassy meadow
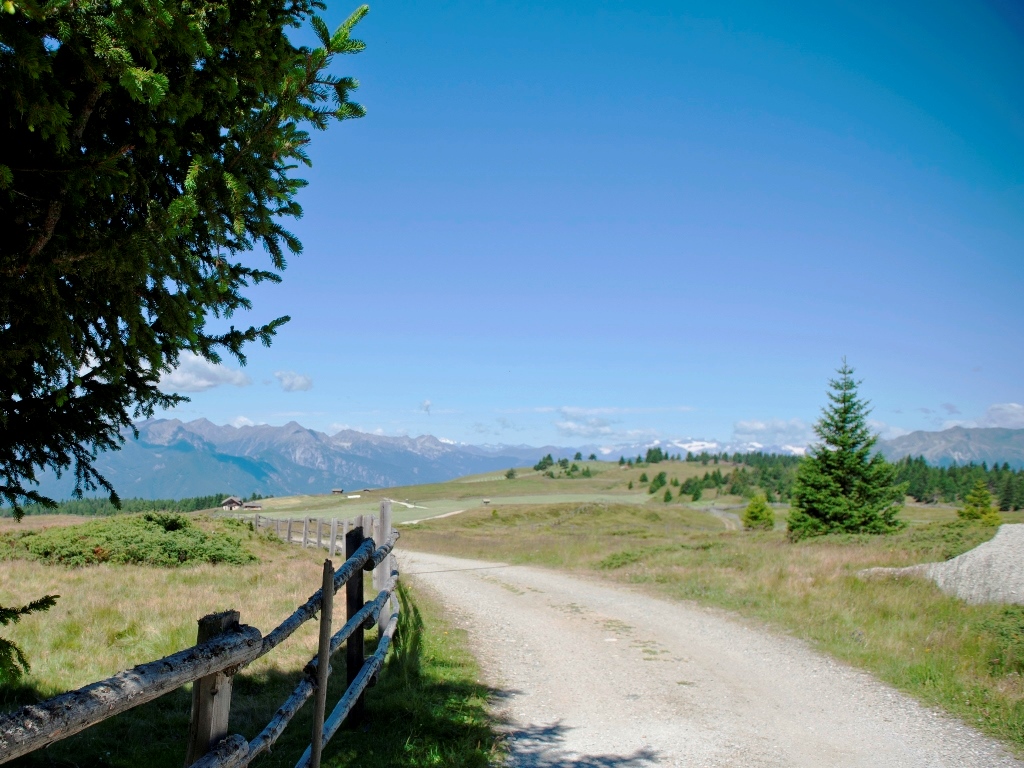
{"points": [[968, 660], [427, 709], [609, 483]]}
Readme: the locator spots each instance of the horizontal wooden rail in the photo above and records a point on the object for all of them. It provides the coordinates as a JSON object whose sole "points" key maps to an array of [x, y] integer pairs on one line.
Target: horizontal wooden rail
{"points": [[366, 617], [369, 671], [306, 611], [37, 725], [382, 551], [234, 751]]}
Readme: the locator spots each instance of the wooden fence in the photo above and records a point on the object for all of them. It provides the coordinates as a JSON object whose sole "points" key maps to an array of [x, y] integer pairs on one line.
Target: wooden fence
{"points": [[224, 646]]}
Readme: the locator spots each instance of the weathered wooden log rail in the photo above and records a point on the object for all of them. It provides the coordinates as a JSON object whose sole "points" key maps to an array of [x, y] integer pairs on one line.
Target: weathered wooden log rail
{"points": [[224, 647]]}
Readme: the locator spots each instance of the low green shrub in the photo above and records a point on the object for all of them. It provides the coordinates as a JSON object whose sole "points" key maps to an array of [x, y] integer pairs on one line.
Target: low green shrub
{"points": [[619, 560], [162, 539]]}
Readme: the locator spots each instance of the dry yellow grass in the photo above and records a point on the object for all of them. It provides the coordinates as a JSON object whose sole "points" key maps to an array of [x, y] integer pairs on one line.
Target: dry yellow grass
{"points": [[428, 708], [111, 617]]}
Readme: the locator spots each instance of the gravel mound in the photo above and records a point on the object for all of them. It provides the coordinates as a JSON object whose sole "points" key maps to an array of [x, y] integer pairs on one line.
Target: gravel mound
{"points": [[990, 573]]}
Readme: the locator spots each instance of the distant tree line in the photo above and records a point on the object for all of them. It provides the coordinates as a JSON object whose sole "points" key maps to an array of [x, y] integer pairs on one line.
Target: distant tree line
{"points": [[547, 464], [927, 483], [101, 507]]}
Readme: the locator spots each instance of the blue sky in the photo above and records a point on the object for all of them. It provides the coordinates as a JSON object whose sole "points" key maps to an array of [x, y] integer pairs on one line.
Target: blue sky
{"points": [[608, 222]]}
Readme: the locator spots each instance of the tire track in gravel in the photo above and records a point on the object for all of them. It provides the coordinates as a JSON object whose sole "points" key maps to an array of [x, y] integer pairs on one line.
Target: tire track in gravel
{"points": [[591, 675]]}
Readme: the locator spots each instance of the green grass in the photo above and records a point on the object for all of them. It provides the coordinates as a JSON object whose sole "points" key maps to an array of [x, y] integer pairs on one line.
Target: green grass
{"points": [[966, 659], [427, 709], [608, 483]]}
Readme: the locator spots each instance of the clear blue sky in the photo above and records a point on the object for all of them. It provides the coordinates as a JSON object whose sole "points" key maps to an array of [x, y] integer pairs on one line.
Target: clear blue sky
{"points": [[600, 221]]}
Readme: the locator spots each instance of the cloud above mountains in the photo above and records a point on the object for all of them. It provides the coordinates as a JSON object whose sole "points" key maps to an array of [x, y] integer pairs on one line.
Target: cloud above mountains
{"points": [[587, 427], [194, 374], [796, 432], [1008, 415], [291, 381]]}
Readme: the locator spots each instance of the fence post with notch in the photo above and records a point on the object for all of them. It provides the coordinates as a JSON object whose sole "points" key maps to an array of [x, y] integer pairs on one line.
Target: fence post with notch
{"points": [[211, 695]]}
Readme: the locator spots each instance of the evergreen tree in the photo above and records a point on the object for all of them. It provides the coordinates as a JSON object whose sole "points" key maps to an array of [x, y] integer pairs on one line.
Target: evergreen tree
{"points": [[147, 148], [840, 486], [1007, 491], [12, 659], [978, 503], [758, 515]]}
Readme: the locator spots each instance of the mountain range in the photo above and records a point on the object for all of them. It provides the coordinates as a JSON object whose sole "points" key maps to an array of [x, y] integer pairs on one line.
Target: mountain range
{"points": [[960, 445], [175, 459]]}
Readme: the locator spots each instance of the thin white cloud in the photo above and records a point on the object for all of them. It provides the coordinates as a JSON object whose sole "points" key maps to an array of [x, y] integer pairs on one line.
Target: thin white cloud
{"points": [[242, 421], [1008, 415], [293, 382], [591, 427], [950, 408], [789, 432], [886, 431], [194, 374], [425, 406]]}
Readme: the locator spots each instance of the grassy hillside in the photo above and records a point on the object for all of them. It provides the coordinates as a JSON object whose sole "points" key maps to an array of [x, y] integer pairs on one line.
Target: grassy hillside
{"points": [[608, 483]]}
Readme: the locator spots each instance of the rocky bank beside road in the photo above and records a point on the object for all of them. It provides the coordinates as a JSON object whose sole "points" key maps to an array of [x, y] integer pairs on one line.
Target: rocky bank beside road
{"points": [[992, 572], [591, 675]]}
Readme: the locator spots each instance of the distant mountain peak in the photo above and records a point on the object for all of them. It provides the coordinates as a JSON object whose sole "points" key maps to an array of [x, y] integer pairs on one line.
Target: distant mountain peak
{"points": [[960, 445]]}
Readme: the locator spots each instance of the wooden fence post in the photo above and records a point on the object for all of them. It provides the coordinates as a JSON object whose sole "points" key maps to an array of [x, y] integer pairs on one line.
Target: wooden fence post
{"points": [[323, 656], [289, 530], [354, 658], [305, 532], [334, 536], [211, 695], [319, 533], [380, 573]]}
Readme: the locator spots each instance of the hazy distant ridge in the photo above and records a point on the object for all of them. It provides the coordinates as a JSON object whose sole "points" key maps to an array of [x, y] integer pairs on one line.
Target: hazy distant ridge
{"points": [[175, 459], [960, 445]]}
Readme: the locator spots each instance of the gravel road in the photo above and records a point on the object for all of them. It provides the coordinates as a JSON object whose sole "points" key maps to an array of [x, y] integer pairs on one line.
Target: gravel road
{"points": [[597, 676]]}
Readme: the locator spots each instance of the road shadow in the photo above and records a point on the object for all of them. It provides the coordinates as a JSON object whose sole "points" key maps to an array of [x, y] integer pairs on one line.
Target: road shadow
{"points": [[542, 746]]}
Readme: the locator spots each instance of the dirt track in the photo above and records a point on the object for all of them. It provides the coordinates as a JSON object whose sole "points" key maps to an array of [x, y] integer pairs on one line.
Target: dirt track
{"points": [[591, 675]]}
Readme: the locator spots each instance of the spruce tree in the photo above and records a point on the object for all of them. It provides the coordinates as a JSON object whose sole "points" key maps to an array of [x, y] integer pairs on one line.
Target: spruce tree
{"points": [[842, 486], [148, 156], [1007, 491], [978, 503], [758, 515]]}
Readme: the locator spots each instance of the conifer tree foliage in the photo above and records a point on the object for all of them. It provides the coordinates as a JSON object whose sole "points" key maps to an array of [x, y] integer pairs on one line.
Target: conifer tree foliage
{"points": [[146, 148], [758, 515], [13, 663], [842, 486], [978, 505]]}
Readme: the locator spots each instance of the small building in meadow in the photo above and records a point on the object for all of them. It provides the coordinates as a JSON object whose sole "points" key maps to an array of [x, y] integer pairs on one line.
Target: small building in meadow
{"points": [[231, 503], [337, 491], [252, 505]]}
